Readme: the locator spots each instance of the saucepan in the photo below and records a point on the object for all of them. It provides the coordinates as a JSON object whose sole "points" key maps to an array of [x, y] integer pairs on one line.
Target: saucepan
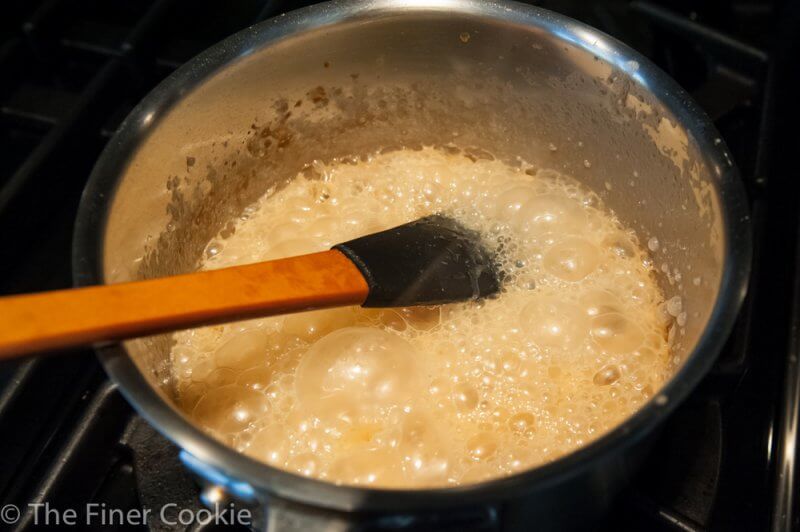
{"points": [[352, 77]]}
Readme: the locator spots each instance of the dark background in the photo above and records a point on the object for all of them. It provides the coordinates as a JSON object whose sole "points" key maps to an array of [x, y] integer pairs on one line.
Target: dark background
{"points": [[71, 70]]}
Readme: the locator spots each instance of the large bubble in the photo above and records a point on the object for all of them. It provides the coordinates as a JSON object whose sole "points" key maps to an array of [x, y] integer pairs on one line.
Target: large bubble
{"points": [[374, 369]]}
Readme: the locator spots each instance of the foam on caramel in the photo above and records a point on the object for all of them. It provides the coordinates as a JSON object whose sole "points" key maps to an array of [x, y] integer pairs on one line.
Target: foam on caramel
{"points": [[433, 396]]}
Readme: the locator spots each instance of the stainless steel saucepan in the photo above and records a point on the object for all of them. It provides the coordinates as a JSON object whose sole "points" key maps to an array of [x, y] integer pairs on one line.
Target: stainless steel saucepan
{"points": [[354, 76]]}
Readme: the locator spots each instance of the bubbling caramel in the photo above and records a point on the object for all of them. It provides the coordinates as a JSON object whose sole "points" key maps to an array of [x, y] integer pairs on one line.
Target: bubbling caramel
{"points": [[433, 396]]}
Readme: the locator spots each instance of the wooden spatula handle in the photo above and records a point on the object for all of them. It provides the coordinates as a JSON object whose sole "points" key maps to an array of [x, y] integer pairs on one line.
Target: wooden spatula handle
{"points": [[67, 318]]}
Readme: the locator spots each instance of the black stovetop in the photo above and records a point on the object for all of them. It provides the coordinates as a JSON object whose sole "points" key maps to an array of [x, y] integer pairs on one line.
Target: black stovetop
{"points": [[69, 73]]}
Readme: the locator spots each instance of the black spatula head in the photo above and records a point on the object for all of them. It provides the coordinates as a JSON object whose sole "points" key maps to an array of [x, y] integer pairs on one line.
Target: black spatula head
{"points": [[430, 261]]}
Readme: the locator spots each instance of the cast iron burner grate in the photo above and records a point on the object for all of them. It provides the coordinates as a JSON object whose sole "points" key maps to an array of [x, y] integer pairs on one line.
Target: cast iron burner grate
{"points": [[71, 71]]}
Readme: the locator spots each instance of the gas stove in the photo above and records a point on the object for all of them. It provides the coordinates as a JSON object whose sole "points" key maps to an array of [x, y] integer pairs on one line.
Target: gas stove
{"points": [[71, 73]]}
